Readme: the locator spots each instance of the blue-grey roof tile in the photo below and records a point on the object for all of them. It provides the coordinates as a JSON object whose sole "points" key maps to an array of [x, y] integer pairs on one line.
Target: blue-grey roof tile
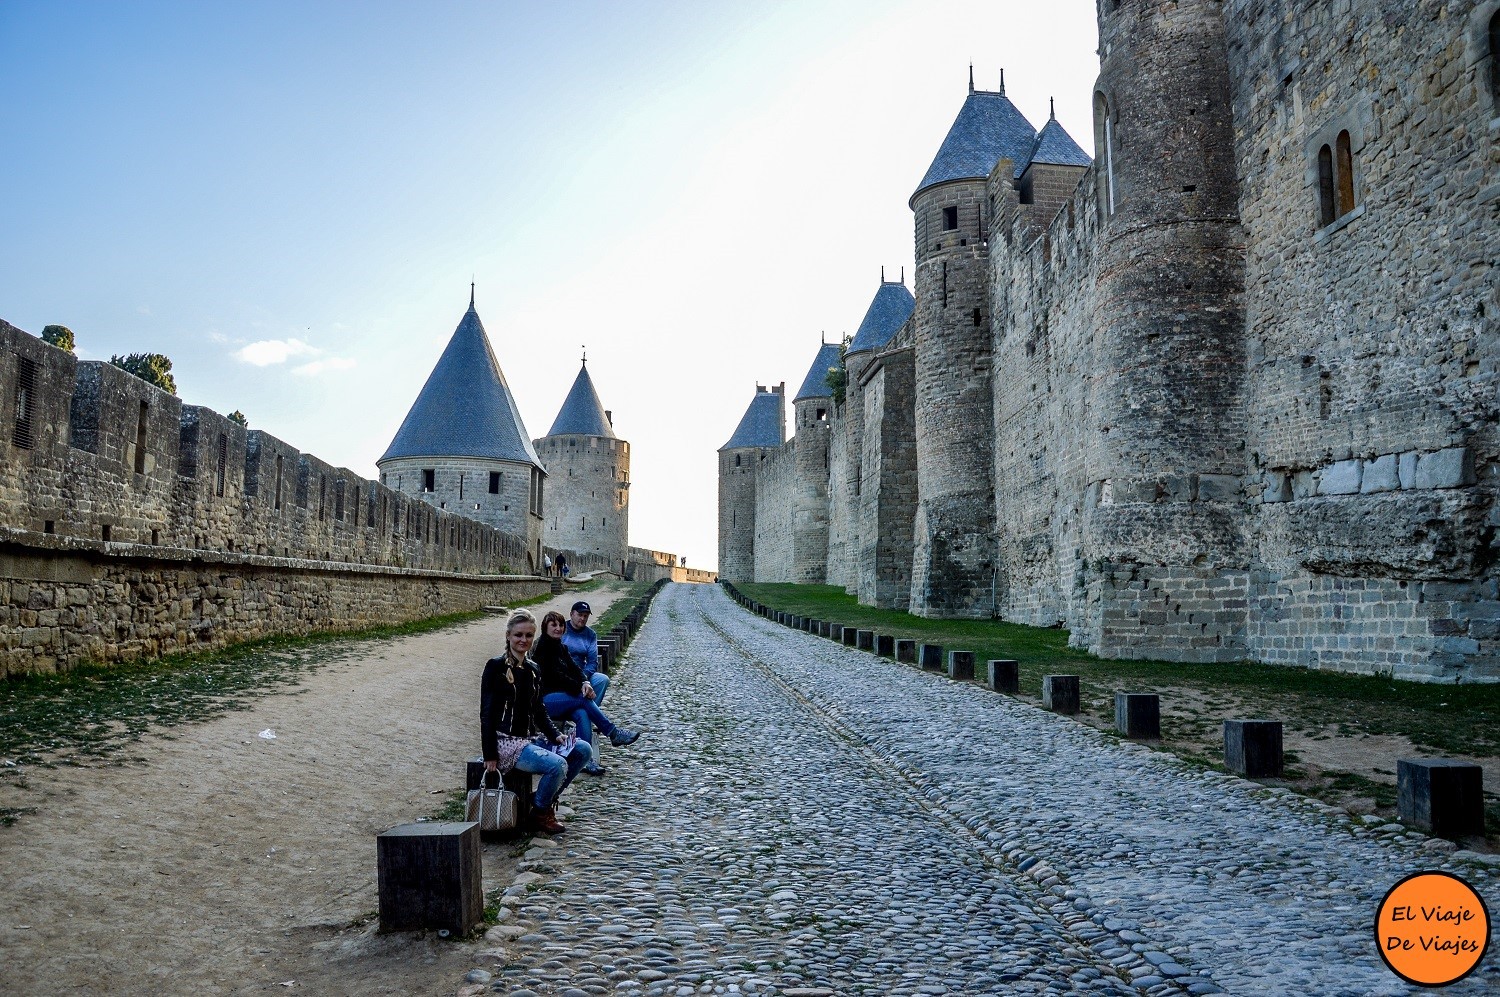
{"points": [[1055, 147], [988, 128], [582, 414], [888, 311], [465, 409], [764, 422], [815, 384]]}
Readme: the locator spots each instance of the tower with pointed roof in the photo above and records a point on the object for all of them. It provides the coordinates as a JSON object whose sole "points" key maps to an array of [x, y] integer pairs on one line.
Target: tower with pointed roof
{"points": [[463, 447], [588, 468], [812, 414], [761, 431]]}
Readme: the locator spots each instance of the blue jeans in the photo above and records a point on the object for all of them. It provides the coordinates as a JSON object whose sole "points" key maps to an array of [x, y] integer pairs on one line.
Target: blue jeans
{"points": [[586, 716], [600, 682], [556, 771]]}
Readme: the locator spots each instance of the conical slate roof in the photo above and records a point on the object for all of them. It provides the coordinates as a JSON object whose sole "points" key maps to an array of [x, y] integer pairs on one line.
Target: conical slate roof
{"points": [[582, 414], [988, 128], [465, 409], [1055, 147], [763, 425], [889, 309], [815, 384]]}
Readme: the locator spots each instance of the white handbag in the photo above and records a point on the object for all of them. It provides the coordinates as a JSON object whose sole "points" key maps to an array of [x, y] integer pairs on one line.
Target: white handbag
{"points": [[493, 809]]}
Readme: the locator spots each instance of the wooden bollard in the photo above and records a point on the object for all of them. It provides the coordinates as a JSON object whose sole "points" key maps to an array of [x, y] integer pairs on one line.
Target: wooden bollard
{"points": [[906, 650], [851, 636], [930, 657], [885, 645], [1440, 796], [836, 632], [864, 640], [429, 877], [1005, 675], [1060, 693], [1252, 748], [1138, 715], [961, 665]]}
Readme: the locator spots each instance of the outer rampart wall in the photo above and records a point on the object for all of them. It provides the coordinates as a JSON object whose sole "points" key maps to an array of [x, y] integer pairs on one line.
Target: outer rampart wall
{"points": [[776, 514]]}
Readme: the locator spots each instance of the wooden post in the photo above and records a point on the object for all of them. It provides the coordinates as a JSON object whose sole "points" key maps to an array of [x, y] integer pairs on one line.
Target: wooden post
{"points": [[906, 650], [885, 645], [1252, 748], [961, 665], [429, 877], [1440, 796], [1138, 715], [1060, 693], [1005, 675], [930, 657], [864, 640]]}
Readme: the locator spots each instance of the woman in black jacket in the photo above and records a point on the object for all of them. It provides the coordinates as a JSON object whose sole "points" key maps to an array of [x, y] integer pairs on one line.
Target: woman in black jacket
{"points": [[511, 714], [567, 694]]}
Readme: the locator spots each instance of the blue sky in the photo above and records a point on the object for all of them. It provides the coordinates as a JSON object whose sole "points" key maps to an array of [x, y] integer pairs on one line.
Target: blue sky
{"points": [[290, 200]]}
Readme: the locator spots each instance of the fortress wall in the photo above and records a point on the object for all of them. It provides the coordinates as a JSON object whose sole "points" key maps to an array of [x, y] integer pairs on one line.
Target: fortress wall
{"points": [[776, 514], [841, 514], [95, 456], [888, 488], [1372, 439], [737, 512], [810, 494], [586, 502], [1044, 283]]}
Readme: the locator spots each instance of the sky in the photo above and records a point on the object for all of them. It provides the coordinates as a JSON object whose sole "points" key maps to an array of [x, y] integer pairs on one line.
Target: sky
{"points": [[290, 200]]}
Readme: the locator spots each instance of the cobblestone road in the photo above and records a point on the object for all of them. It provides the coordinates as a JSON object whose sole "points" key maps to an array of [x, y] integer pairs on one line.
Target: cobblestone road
{"points": [[807, 819]]}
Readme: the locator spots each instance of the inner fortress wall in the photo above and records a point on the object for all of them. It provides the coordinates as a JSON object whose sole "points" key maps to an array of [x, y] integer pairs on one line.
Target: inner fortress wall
{"points": [[111, 488], [776, 487]]}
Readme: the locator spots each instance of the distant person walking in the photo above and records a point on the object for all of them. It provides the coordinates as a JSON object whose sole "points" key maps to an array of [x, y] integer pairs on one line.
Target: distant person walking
{"points": [[547, 564], [562, 565]]}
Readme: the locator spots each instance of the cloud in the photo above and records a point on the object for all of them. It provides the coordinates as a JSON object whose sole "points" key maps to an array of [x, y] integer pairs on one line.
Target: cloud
{"points": [[269, 351], [319, 366]]}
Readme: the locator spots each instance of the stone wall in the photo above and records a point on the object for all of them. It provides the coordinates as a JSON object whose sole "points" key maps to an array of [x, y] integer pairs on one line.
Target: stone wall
{"points": [[888, 489], [810, 522], [776, 513], [737, 512], [843, 519]]}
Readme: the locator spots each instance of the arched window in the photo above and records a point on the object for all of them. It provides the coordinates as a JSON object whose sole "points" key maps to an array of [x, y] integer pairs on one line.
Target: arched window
{"points": [[1345, 174], [1326, 214], [1104, 146]]}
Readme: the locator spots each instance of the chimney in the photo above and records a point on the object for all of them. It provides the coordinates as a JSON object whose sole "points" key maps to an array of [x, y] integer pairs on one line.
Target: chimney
{"points": [[609, 417]]}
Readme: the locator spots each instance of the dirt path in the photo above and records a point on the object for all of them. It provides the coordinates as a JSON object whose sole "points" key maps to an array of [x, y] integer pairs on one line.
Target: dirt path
{"points": [[229, 863]]}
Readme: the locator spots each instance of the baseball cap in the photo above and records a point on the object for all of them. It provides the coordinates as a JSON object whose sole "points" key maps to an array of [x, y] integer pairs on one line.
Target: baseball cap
{"points": [[582, 607]]}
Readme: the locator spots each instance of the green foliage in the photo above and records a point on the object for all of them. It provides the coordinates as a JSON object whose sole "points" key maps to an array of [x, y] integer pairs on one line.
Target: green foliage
{"points": [[239, 417], [153, 368], [59, 336], [837, 378]]}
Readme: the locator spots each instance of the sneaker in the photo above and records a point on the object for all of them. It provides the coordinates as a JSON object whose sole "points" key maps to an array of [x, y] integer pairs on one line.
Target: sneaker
{"points": [[622, 737], [544, 821], [594, 768]]}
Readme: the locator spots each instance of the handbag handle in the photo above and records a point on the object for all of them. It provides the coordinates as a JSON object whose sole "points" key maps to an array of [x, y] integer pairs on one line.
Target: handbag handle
{"points": [[485, 782]]}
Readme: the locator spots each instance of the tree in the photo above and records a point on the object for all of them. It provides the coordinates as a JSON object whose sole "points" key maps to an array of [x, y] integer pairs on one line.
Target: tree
{"points": [[239, 417], [153, 368], [59, 336], [837, 378]]}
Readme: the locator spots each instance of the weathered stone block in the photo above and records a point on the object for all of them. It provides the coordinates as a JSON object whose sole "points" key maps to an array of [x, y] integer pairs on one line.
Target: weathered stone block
{"points": [[930, 656], [1252, 748], [961, 665], [429, 877], [1380, 475], [1276, 486], [1339, 478], [1441, 796], [1218, 488], [906, 650], [1138, 714], [1005, 675], [1304, 484], [1060, 693], [1450, 468], [1406, 468]]}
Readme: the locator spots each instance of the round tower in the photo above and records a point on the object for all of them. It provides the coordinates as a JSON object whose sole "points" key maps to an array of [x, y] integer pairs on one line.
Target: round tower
{"points": [[1165, 453], [588, 478], [812, 411], [761, 431], [954, 548]]}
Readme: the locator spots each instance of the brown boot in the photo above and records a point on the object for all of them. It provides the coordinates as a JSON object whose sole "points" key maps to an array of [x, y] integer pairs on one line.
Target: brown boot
{"points": [[544, 820]]}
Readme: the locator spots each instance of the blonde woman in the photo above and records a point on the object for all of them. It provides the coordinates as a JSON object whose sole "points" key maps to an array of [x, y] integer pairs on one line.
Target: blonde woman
{"points": [[511, 715]]}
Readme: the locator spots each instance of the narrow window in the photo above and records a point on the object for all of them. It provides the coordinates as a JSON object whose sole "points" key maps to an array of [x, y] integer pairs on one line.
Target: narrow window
{"points": [[322, 495], [822, 414], [1325, 186], [221, 465], [429, 478], [338, 500], [1104, 141], [356, 505], [278, 481], [22, 435], [1495, 59], [584, 524], [494, 482], [140, 439], [736, 460], [460, 486], [950, 218], [1345, 175]]}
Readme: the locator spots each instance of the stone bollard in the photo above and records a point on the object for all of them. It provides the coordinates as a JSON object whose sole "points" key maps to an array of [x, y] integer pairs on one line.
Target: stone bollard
{"points": [[864, 640], [1060, 693], [429, 877], [851, 636], [961, 665], [885, 645], [1252, 748], [1440, 796], [1005, 675], [906, 651], [1138, 715], [930, 657]]}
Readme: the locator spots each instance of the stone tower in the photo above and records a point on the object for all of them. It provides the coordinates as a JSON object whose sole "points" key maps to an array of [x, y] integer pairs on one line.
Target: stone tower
{"points": [[588, 469], [463, 446], [1163, 522], [812, 411], [761, 431], [954, 550]]}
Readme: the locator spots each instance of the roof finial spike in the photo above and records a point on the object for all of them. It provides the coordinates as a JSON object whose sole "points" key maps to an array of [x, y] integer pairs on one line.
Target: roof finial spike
{"points": [[971, 77], [585, 355], [1052, 104], [882, 273], [1002, 82], [471, 294], [903, 273]]}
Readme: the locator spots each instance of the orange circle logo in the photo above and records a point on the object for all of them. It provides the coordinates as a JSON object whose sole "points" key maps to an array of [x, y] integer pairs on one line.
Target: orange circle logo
{"points": [[1432, 929]]}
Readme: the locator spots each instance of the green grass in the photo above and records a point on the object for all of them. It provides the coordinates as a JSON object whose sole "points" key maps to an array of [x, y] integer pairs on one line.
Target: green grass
{"points": [[93, 711], [1439, 719], [625, 596]]}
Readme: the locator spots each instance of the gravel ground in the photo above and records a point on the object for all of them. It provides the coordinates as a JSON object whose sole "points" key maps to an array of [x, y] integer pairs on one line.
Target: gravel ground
{"points": [[806, 819]]}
